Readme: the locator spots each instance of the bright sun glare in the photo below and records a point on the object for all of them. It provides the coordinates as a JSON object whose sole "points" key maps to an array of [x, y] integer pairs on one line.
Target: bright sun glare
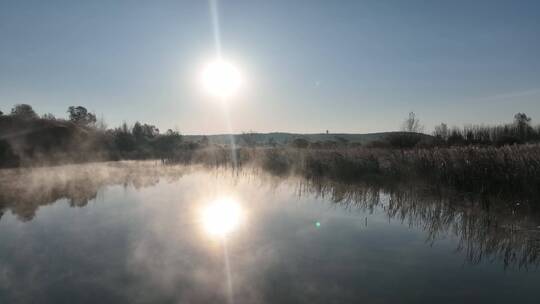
{"points": [[221, 79], [222, 216]]}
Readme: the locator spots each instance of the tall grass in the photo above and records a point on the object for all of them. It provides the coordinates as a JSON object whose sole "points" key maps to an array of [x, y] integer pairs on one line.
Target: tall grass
{"points": [[477, 169]]}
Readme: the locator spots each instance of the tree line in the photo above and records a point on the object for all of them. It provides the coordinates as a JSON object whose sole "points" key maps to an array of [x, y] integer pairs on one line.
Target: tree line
{"points": [[520, 131], [25, 136]]}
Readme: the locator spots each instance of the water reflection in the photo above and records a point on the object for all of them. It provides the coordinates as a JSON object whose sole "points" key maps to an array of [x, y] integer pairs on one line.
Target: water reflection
{"points": [[491, 228], [222, 216], [488, 228], [154, 234], [23, 191]]}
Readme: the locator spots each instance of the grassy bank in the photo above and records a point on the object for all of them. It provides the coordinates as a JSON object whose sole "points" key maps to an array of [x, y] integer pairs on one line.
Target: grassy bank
{"points": [[481, 159], [476, 169]]}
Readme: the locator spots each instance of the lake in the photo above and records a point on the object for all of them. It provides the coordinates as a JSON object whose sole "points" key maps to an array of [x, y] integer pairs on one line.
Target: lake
{"points": [[141, 232]]}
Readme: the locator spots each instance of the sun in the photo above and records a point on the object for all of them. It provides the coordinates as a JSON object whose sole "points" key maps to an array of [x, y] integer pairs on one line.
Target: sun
{"points": [[222, 216], [221, 78]]}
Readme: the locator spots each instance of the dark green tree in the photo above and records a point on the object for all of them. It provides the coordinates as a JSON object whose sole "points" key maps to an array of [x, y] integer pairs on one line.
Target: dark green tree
{"points": [[81, 116], [523, 126], [137, 132], [124, 139], [168, 143], [144, 132], [24, 111]]}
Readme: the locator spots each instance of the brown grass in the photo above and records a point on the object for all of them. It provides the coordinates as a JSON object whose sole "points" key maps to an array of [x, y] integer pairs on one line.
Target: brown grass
{"points": [[476, 169]]}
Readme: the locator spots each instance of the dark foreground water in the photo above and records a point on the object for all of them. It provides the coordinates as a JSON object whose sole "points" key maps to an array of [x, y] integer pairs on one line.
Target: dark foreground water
{"points": [[142, 233]]}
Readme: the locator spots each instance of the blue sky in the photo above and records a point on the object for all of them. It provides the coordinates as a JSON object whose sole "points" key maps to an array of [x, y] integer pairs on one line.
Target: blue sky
{"points": [[309, 66]]}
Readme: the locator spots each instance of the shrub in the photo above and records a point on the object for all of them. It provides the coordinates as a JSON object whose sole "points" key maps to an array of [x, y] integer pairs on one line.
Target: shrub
{"points": [[300, 143]]}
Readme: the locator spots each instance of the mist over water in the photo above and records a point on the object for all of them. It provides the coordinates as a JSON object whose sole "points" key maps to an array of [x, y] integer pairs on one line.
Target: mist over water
{"points": [[132, 232]]}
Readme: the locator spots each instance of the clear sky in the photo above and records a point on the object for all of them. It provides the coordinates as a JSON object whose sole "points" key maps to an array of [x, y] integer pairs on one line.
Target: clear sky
{"points": [[346, 66]]}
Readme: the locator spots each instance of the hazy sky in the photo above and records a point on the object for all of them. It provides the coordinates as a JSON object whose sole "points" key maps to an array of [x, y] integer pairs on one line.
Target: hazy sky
{"points": [[346, 66]]}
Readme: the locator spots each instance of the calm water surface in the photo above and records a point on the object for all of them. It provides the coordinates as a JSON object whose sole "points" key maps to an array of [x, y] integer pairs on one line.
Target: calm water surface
{"points": [[143, 233]]}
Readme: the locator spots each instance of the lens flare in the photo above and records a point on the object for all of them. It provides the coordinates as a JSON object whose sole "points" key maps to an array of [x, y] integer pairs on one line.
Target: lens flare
{"points": [[222, 216]]}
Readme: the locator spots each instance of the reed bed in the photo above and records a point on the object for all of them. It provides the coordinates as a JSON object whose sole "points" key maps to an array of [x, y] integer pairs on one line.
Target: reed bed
{"points": [[477, 169]]}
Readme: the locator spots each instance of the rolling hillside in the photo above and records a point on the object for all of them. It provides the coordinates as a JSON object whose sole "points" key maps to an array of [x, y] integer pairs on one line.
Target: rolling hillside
{"points": [[281, 138]]}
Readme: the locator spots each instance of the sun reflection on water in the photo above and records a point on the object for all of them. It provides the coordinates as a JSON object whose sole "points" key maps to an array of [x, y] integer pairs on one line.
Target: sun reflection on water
{"points": [[222, 216]]}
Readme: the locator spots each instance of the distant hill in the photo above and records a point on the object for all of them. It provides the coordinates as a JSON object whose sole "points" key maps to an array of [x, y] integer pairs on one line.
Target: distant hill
{"points": [[50, 141], [282, 138]]}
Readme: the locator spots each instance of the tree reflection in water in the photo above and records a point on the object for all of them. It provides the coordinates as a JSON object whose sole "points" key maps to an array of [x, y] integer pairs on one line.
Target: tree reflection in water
{"points": [[23, 191], [488, 228]]}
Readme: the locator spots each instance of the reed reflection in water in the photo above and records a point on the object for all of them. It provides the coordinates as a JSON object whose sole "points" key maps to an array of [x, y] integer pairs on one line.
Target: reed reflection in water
{"points": [[142, 237]]}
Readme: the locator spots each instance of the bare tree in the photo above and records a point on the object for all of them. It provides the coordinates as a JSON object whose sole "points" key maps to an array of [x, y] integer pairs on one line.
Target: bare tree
{"points": [[412, 124], [48, 116], [101, 124], [441, 131]]}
